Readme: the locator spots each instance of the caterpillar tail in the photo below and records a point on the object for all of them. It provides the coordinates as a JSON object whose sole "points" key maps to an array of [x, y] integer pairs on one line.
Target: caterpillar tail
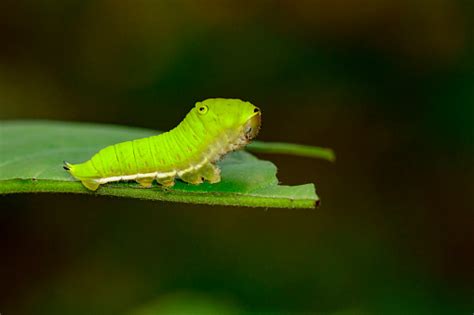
{"points": [[74, 169], [67, 166]]}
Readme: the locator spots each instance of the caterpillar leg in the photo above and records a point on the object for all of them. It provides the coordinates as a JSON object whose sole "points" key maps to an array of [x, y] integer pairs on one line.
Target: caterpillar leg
{"points": [[166, 182], [211, 173], [145, 182], [194, 178], [91, 184]]}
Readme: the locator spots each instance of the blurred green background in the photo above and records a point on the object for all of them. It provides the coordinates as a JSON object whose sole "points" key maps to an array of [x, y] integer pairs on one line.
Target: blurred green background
{"points": [[388, 84]]}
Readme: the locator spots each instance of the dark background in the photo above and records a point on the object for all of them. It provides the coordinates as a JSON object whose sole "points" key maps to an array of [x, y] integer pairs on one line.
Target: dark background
{"points": [[387, 84]]}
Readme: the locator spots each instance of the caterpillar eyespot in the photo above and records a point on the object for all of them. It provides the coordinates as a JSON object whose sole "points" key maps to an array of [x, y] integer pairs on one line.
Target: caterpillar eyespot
{"points": [[188, 151], [203, 109]]}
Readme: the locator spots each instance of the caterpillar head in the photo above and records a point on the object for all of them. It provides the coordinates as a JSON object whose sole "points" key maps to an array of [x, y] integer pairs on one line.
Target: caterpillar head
{"points": [[224, 114]]}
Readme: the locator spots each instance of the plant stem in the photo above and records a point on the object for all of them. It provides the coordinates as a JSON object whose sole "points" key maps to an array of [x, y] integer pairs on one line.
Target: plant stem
{"points": [[292, 149]]}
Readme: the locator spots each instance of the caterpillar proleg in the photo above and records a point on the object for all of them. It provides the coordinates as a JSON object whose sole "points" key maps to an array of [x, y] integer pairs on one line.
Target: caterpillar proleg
{"points": [[189, 151]]}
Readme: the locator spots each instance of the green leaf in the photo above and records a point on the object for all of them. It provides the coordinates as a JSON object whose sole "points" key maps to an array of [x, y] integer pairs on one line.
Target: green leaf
{"points": [[32, 155]]}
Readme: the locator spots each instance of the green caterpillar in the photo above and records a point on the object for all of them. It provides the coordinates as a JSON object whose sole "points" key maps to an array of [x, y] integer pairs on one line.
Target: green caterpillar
{"points": [[211, 129]]}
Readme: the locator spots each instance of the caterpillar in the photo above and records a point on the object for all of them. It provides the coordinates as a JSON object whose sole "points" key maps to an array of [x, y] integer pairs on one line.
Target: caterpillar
{"points": [[211, 129]]}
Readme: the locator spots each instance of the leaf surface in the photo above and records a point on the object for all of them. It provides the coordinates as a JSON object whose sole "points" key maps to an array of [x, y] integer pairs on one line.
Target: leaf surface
{"points": [[32, 155]]}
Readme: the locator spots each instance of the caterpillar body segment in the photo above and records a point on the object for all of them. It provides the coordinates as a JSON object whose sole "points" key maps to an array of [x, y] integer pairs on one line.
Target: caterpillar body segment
{"points": [[211, 129]]}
